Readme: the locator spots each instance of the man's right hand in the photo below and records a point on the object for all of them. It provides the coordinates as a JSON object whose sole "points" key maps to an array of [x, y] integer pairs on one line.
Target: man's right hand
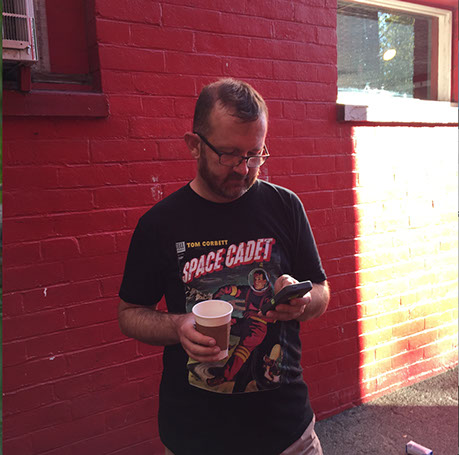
{"points": [[198, 346]]}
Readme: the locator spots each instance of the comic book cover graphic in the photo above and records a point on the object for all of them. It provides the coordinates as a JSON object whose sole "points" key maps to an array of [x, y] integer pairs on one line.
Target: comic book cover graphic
{"points": [[242, 274]]}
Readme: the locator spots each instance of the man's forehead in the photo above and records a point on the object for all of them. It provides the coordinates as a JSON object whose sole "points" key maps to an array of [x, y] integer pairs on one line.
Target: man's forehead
{"points": [[221, 113]]}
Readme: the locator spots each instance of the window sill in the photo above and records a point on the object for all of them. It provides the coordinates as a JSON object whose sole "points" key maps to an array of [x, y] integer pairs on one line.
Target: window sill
{"points": [[397, 110], [53, 103]]}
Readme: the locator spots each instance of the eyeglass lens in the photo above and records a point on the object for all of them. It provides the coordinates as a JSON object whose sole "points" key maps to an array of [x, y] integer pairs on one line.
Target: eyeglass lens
{"points": [[233, 161]]}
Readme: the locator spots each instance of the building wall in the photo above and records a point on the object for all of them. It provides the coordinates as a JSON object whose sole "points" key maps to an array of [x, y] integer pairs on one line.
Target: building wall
{"points": [[381, 200]]}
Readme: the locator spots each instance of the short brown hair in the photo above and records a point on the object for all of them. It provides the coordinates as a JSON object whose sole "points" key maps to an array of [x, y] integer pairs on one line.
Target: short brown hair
{"points": [[240, 98]]}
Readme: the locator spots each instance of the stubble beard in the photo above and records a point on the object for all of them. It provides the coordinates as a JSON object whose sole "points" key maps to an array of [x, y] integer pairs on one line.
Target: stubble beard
{"points": [[224, 187]]}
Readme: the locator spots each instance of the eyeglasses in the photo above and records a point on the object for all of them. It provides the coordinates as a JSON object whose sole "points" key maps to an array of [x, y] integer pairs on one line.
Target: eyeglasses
{"points": [[231, 160]]}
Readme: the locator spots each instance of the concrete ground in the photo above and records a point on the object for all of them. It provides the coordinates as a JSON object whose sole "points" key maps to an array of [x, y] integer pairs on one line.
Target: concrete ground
{"points": [[426, 412]]}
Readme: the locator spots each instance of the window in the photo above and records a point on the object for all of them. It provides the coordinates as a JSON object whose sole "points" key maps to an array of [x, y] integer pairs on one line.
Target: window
{"points": [[60, 30], [393, 49], [61, 76]]}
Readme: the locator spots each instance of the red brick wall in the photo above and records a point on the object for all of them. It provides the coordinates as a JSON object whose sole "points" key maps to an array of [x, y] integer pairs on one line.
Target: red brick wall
{"points": [[380, 200]]}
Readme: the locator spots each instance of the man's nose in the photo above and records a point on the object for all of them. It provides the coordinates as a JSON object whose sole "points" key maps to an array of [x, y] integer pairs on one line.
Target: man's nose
{"points": [[242, 168]]}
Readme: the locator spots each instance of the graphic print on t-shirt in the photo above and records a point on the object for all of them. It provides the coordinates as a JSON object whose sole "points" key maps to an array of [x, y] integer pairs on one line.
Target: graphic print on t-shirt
{"points": [[242, 274]]}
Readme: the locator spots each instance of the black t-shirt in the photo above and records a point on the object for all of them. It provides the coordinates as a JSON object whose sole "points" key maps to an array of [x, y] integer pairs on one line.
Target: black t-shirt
{"points": [[190, 249]]}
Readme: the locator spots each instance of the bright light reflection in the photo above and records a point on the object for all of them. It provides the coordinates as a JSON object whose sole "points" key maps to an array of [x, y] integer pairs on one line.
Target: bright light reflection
{"points": [[389, 54]]}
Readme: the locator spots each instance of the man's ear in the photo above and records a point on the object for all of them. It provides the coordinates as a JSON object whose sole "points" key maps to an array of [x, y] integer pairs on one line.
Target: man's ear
{"points": [[194, 144]]}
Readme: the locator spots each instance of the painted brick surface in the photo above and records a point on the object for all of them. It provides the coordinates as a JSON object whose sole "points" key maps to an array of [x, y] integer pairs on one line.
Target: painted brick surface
{"points": [[381, 201]]}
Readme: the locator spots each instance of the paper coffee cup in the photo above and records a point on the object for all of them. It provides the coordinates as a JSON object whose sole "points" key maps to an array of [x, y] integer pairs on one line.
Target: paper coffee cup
{"points": [[213, 319]]}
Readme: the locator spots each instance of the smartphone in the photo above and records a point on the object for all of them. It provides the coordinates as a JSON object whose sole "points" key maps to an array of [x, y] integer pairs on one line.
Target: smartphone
{"points": [[292, 291]]}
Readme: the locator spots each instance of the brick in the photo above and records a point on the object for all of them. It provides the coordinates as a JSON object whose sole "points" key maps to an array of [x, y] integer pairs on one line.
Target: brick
{"points": [[109, 442], [115, 81], [64, 342], [143, 448], [144, 173], [158, 107], [47, 201], [131, 414], [195, 64], [102, 356], [282, 128], [99, 401], [47, 152], [161, 38], [96, 221], [81, 269], [144, 367], [27, 399], [108, 377], [97, 244], [316, 91], [14, 353], [113, 32], [33, 373], [125, 105], [213, 21], [316, 200], [312, 164], [33, 324], [91, 313], [273, 49], [60, 295], [337, 350], [294, 110], [295, 71], [277, 90], [308, 14], [62, 248], [129, 59], [18, 177], [164, 128], [133, 215], [326, 35], [173, 149], [27, 229], [110, 285], [247, 67], [33, 276], [224, 45], [408, 328], [143, 11], [123, 196], [12, 304], [94, 175], [406, 358], [122, 151], [107, 128], [164, 84], [21, 445], [296, 147], [111, 331], [66, 433], [21, 254], [36, 419], [176, 170]]}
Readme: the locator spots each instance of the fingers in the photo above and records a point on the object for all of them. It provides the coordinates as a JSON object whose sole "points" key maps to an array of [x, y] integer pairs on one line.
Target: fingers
{"points": [[198, 346], [282, 281], [293, 310]]}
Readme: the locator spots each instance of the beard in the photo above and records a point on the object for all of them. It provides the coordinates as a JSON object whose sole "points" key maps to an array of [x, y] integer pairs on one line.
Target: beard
{"points": [[230, 187]]}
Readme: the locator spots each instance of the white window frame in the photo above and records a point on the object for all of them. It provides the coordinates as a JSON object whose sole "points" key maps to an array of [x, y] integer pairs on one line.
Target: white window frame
{"points": [[368, 107]]}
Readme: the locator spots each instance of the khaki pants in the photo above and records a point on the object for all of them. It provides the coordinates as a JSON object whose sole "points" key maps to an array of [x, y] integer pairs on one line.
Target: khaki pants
{"points": [[307, 444]]}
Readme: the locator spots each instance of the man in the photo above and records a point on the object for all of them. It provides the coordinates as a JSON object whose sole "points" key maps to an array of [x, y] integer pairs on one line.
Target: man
{"points": [[209, 234]]}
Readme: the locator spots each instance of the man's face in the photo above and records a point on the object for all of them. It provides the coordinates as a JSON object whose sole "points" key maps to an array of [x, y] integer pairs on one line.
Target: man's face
{"points": [[229, 135], [259, 281]]}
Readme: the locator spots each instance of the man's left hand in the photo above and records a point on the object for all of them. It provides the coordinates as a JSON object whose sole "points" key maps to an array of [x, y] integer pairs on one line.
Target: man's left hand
{"points": [[294, 308]]}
